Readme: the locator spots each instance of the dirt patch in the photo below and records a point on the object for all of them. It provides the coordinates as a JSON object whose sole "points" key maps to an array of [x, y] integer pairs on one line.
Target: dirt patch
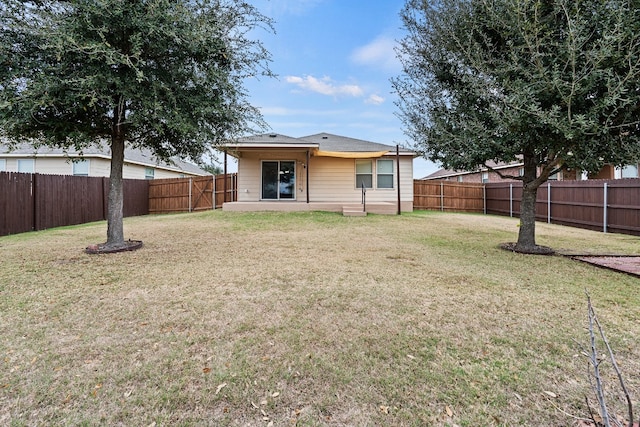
{"points": [[536, 250], [622, 263]]}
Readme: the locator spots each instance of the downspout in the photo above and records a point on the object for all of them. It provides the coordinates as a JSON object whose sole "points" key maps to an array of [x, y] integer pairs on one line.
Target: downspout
{"points": [[398, 176]]}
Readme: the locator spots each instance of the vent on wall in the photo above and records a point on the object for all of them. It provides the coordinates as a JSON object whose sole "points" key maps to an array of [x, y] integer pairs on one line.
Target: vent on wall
{"points": [[272, 135]]}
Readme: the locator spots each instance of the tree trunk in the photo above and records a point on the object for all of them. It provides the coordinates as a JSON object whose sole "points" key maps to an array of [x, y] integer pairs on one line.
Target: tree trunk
{"points": [[115, 212], [527, 233], [115, 229]]}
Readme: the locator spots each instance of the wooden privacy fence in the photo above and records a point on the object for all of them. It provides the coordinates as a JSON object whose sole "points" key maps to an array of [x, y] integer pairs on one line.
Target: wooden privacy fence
{"points": [[603, 205], [36, 202], [448, 196], [191, 194]]}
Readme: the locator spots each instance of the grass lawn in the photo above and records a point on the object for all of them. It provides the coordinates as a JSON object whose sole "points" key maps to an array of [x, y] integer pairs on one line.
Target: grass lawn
{"points": [[308, 319]]}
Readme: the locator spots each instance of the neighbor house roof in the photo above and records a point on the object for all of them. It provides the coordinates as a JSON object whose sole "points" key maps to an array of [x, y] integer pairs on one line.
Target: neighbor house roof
{"points": [[139, 156], [448, 173], [321, 142]]}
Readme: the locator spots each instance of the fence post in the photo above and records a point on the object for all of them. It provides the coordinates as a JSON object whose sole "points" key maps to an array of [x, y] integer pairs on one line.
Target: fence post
{"points": [[548, 203], [484, 199], [511, 200], [213, 193], [441, 196], [190, 183], [604, 209]]}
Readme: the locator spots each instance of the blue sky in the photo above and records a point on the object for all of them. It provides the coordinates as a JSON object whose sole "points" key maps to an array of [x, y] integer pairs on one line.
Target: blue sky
{"points": [[334, 59]]}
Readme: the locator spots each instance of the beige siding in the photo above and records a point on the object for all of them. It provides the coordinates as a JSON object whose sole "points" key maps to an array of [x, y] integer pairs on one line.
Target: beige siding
{"points": [[330, 179]]}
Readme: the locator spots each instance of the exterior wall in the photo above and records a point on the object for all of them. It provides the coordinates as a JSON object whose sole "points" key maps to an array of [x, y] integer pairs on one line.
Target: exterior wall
{"points": [[476, 177], [330, 179], [97, 167]]}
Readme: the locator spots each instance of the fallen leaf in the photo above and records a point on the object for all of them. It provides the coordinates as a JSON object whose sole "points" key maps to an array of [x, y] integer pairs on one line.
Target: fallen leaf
{"points": [[410, 356], [220, 387], [550, 393], [276, 394], [254, 405], [263, 402], [206, 370], [384, 409], [449, 411]]}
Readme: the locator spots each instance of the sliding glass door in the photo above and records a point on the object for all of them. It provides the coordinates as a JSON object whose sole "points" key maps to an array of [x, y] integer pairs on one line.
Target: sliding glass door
{"points": [[279, 180]]}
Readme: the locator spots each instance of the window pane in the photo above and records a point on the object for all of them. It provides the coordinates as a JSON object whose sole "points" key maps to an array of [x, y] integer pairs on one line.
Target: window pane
{"points": [[3, 165], [363, 166], [366, 178], [81, 168], [385, 181], [385, 166], [25, 166], [630, 171], [148, 173], [270, 180]]}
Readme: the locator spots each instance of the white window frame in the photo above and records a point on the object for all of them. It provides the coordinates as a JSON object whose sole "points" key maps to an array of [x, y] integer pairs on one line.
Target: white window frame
{"points": [[149, 173], [379, 174], [80, 167], [370, 173], [26, 165], [485, 177]]}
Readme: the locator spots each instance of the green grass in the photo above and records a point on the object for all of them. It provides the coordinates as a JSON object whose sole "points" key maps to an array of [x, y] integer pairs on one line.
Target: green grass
{"points": [[306, 319]]}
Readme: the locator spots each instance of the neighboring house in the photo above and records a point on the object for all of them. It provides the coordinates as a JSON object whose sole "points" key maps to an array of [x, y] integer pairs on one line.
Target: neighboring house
{"points": [[95, 161], [320, 172], [516, 169]]}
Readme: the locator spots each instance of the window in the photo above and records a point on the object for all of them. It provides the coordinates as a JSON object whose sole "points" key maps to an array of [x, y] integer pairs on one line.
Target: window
{"points": [[485, 176], [81, 168], [26, 165], [555, 177], [384, 171], [460, 178], [630, 171], [148, 173], [364, 173], [279, 180], [3, 165]]}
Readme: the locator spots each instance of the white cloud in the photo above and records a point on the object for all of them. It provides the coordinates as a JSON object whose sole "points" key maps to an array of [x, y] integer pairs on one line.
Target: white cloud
{"points": [[324, 86], [374, 100], [380, 52]]}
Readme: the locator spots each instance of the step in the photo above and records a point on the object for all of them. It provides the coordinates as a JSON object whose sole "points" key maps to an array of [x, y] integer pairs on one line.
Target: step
{"points": [[353, 210]]}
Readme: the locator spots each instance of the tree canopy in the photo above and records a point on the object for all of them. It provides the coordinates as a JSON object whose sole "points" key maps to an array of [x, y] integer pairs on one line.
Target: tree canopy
{"points": [[555, 84], [161, 74]]}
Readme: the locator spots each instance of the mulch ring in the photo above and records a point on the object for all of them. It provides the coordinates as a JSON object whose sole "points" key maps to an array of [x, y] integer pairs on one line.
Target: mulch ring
{"points": [[629, 264]]}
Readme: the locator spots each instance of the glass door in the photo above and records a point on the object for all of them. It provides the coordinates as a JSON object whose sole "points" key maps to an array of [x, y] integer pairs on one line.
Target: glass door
{"points": [[278, 180]]}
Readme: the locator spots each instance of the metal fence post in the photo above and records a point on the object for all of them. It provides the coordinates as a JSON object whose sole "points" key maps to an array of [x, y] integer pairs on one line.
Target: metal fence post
{"points": [[604, 209], [441, 196], [484, 199], [511, 200], [548, 203]]}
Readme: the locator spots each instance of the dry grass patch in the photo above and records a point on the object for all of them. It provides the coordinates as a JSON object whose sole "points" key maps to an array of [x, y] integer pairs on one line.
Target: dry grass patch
{"points": [[305, 319]]}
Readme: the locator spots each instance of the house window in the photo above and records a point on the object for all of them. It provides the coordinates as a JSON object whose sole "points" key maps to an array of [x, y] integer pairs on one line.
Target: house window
{"points": [[364, 173], [485, 176], [384, 172], [460, 178], [3, 165], [630, 171], [81, 168], [148, 173], [26, 165], [555, 177]]}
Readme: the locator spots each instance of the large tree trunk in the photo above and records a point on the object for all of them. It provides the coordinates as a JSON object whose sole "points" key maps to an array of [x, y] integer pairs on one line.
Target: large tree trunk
{"points": [[115, 228], [527, 233]]}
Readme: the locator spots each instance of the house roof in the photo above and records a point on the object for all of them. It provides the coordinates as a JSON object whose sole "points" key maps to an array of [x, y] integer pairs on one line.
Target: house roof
{"points": [[321, 142], [141, 156], [447, 173]]}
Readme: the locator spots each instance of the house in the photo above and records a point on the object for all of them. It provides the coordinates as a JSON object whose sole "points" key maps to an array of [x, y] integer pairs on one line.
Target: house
{"points": [[95, 161], [484, 174], [321, 172]]}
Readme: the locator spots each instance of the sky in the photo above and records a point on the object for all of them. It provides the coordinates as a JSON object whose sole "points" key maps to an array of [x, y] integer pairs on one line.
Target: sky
{"points": [[333, 60]]}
